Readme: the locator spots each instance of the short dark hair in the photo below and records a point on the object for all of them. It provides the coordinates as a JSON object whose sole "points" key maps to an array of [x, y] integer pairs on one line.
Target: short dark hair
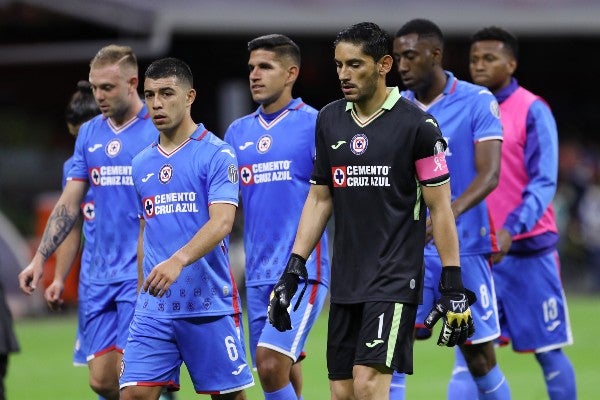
{"points": [[279, 44], [375, 41], [423, 28], [495, 33], [82, 106], [166, 67]]}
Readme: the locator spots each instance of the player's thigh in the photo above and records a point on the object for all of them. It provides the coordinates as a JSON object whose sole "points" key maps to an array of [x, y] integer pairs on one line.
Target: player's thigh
{"points": [[477, 276], [224, 368], [291, 342], [257, 301], [151, 355], [100, 320], [125, 299], [534, 302], [140, 392], [433, 270]]}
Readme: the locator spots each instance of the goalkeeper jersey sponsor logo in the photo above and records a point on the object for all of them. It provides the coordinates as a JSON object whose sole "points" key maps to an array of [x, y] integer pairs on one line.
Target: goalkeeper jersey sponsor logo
{"points": [[360, 175]]}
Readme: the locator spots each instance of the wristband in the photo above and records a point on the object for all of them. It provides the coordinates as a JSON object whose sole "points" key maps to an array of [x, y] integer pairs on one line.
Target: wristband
{"points": [[451, 279]]}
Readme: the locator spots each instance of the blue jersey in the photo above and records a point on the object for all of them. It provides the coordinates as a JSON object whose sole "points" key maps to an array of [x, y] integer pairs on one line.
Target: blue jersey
{"points": [[174, 192], [88, 212], [466, 114], [276, 159], [103, 155]]}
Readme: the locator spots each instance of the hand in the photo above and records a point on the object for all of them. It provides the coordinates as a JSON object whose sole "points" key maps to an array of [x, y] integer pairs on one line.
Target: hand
{"points": [[161, 277], [504, 242], [53, 293], [30, 276], [284, 291], [453, 307]]}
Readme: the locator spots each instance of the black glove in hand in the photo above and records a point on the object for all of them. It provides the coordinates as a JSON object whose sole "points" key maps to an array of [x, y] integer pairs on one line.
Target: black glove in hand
{"points": [[284, 291], [453, 307]]}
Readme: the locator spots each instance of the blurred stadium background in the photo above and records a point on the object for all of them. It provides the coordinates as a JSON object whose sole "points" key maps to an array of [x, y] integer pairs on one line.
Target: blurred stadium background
{"points": [[45, 47]]}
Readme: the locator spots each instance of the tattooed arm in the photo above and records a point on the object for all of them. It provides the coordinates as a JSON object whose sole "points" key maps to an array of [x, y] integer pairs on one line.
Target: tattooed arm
{"points": [[60, 223]]}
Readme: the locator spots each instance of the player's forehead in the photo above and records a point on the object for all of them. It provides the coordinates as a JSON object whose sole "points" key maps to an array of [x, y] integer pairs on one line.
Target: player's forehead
{"points": [[164, 83], [349, 51], [263, 56], [488, 47], [105, 73], [411, 42]]}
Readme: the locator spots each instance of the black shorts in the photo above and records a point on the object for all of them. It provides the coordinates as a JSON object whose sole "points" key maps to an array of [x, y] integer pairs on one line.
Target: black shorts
{"points": [[374, 333]]}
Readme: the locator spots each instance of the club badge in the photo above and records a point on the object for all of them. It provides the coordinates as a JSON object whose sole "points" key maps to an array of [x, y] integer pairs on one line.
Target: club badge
{"points": [[359, 144]]}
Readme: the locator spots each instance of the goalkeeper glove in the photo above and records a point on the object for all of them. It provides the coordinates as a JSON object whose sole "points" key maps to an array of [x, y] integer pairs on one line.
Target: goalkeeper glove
{"points": [[453, 307], [284, 291]]}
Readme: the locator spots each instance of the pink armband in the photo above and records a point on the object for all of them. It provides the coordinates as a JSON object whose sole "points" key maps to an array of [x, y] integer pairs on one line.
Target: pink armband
{"points": [[431, 167]]}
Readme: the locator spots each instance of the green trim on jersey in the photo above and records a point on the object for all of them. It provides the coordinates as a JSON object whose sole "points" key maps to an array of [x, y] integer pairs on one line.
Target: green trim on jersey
{"points": [[417, 208]]}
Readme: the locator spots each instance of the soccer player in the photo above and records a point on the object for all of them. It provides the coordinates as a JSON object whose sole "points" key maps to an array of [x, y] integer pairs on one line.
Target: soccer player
{"points": [[104, 149], [81, 108], [469, 120], [379, 162], [188, 309], [275, 146], [531, 300]]}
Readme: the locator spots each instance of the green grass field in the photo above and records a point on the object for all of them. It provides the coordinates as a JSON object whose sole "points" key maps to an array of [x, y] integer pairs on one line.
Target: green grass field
{"points": [[43, 369]]}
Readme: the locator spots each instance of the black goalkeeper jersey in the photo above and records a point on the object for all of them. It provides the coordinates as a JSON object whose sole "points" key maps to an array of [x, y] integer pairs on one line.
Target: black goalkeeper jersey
{"points": [[379, 210]]}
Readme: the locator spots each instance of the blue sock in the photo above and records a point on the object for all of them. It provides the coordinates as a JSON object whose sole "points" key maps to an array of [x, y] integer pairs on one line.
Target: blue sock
{"points": [[285, 393], [301, 397], [398, 386], [461, 385], [558, 374], [493, 385]]}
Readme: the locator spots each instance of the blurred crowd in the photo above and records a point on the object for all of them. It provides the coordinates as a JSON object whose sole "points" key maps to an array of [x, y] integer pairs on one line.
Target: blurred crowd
{"points": [[577, 207]]}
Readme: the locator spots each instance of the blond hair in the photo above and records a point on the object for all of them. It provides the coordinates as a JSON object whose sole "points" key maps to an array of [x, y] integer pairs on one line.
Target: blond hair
{"points": [[115, 54]]}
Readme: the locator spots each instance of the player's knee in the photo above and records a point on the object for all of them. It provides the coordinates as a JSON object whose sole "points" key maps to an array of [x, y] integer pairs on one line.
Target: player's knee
{"points": [[105, 389], [270, 367]]}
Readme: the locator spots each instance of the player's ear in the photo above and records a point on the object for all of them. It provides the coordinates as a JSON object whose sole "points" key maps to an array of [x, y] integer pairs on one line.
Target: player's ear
{"points": [[190, 97], [293, 72], [385, 64], [512, 66], [133, 82]]}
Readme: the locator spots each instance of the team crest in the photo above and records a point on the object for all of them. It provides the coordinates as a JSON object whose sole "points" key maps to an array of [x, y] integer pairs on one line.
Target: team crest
{"points": [[264, 144], [165, 174], [359, 144], [113, 148], [232, 173], [148, 204], [495, 109]]}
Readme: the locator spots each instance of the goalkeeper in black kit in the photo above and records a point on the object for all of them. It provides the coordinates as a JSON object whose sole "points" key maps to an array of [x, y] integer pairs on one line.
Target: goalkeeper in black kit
{"points": [[380, 163]]}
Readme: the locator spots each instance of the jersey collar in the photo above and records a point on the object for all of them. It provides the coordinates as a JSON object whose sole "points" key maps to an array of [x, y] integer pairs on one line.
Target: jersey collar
{"points": [[391, 99]]}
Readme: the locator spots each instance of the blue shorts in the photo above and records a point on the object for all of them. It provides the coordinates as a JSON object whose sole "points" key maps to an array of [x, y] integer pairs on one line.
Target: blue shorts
{"points": [[211, 347], [109, 310], [262, 333], [477, 277], [81, 347], [532, 304]]}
